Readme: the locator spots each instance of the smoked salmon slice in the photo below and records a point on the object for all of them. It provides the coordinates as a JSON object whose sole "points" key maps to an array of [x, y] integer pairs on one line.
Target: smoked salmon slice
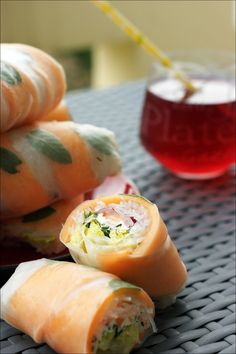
{"points": [[50, 161], [125, 235], [76, 309], [41, 228], [32, 84]]}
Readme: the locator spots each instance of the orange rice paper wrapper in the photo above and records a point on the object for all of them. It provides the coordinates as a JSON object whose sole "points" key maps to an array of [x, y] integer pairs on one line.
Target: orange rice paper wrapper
{"points": [[76, 309], [125, 235]]}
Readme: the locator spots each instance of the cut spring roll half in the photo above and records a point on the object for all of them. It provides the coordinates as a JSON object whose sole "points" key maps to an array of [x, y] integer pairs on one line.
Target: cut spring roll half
{"points": [[49, 161], [41, 228], [60, 113], [32, 84], [125, 235], [76, 309]]}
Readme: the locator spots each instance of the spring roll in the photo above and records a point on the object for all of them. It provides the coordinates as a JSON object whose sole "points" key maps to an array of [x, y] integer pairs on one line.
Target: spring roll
{"points": [[60, 113], [49, 161], [32, 84], [76, 309], [41, 228], [125, 235], [118, 184]]}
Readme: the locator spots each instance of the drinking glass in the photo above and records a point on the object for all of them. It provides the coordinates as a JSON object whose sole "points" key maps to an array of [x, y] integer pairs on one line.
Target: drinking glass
{"points": [[193, 136]]}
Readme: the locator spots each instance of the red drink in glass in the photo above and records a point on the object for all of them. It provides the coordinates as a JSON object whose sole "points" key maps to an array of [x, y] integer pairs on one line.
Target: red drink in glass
{"points": [[193, 138]]}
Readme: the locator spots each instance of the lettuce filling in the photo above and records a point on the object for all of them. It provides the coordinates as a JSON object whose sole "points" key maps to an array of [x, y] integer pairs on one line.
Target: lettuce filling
{"points": [[123, 327], [117, 340], [38, 240], [110, 228]]}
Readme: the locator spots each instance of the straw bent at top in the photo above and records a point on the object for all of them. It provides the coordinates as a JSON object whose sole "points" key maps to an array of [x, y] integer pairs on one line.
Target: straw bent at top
{"points": [[144, 42]]}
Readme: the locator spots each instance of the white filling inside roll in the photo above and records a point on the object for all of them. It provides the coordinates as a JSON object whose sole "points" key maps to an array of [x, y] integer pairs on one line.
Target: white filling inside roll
{"points": [[124, 326], [108, 228]]}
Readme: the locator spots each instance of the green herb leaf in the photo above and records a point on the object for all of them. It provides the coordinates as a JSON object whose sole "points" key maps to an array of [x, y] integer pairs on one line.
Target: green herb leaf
{"points": [[98, 140], [38, 214], [88, 213], [116, 330], [117, 284], [106, 230], [9, 161], [9, 74], [49, 145]]}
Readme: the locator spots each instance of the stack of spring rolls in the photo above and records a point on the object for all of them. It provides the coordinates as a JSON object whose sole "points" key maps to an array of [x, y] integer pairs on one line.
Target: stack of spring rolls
{"points": [[86, 307], [47, 166], [47, 161]]}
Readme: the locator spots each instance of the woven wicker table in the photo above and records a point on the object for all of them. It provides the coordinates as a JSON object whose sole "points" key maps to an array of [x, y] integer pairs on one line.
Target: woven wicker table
{"points": [[201, 220]]}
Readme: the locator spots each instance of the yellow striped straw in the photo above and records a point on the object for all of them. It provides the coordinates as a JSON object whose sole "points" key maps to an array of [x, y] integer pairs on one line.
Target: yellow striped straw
{"points": [[143, 41]]}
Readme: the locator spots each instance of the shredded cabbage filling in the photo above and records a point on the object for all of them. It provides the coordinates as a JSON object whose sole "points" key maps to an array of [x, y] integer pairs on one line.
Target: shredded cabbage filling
{"points": [[123, 327], [110, 227]]}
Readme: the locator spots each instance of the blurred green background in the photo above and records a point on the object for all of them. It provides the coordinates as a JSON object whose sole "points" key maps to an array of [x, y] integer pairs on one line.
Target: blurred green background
{"points": [[95, 53]]}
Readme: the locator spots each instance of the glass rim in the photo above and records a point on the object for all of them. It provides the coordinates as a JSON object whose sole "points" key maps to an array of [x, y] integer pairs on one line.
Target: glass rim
{"points": [[213, 56], [204, 62]]}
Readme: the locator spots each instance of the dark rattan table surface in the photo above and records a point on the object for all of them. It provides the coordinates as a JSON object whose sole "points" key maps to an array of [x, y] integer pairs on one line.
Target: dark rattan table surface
{"points": [[200, 216]]}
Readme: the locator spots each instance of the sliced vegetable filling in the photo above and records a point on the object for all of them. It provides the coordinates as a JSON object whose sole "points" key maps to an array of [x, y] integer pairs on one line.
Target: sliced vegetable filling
{"points": [[112, 227], [119, 333]]}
